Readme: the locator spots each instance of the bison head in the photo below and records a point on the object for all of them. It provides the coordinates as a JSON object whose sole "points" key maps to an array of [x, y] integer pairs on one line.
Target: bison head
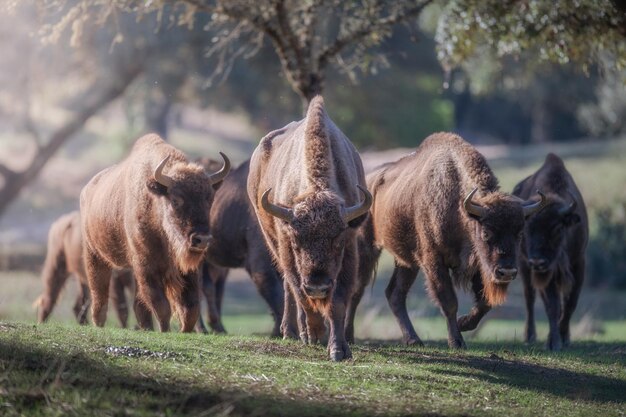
{"points": [[186, 193], [499, 222], [544, 233], [317, 229]]}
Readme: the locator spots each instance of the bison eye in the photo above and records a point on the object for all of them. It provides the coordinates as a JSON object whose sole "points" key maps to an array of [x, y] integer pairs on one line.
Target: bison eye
{"points": [[486, 235], [176, 201]]}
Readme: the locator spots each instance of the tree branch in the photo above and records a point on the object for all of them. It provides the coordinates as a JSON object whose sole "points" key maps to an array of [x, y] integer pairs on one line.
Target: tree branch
{"points": [[365, 29], [15, 181]]}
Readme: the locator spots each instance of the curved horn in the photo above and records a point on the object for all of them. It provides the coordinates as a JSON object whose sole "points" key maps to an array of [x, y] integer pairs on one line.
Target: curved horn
{"points": [[571, 207], [531, 207], [471, 207], [276, 211], [160, 177], [351, 213], [221, 174]]}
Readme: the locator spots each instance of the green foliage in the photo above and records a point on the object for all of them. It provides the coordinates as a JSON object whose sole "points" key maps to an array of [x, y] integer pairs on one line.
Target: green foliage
{"points": [[562, 31], [607, 263], [58, 370]]}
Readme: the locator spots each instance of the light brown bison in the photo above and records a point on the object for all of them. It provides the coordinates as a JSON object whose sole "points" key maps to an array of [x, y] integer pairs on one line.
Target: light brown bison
{"points": [[149, 213], [553, 247], [64, 258], [237, 242], [314, 178], [440, 209]]}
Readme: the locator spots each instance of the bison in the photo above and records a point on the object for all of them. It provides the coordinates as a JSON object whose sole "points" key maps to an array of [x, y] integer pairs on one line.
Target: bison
{"points": [[553, 247], [149, 213], [237, 242], [440, 209], [64, 257], [305, 183]]}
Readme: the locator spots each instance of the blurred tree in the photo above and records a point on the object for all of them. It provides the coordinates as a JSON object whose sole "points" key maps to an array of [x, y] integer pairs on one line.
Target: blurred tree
{"points": [[307, 36], [31, 72], [584, 32], [528, 57]]}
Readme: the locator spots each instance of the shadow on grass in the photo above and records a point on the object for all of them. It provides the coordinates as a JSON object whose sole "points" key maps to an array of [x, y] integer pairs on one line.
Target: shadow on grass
{"points": [[503, 367], [38, 375]]}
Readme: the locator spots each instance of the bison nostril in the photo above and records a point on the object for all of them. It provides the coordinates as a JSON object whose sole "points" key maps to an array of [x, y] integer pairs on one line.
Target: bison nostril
{"points": [[538, 263], [506, 273], [199, 240]]}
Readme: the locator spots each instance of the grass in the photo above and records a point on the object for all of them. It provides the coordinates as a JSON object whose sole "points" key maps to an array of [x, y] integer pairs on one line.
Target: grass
{"points": [[70, 370]]}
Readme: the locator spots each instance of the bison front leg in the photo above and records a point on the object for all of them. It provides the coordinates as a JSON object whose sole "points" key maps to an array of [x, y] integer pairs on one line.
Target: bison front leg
{"points": [[81, 305], [188, 303], [351, 313], [289, 326], [118, 297], [530, 332], [338, 347], [570, 302], [210, 278], [396, 292], [441, 289], [270, 287], [98, 278], [143, 314], [481, 306], [552, 302], [152, 294]]}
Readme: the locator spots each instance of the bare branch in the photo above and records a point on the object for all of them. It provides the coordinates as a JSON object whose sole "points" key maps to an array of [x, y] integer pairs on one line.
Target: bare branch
{"points": [[15, 181], [366, 29]]}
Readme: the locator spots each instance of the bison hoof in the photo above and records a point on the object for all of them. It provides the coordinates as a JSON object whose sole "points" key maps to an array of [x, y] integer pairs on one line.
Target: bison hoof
{"points": [[554, 345], [339, 355], [414, 342], [457, 344], [465, 324]]}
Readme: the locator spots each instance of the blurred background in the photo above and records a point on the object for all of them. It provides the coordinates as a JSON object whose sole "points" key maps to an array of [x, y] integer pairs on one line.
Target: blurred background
{"points": [[81, 80]]}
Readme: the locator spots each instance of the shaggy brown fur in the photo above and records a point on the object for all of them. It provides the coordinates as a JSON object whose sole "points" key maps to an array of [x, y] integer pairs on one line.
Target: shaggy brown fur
{"points": [[237, 242], [553, 247], [313, 169], [64, 258], [418, 215], [130, 220]]}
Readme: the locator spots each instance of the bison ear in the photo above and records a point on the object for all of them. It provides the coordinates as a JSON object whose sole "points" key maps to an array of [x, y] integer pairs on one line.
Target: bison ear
{"points": [[571, 219], [354, 223], [156, 187], [217, 186]]}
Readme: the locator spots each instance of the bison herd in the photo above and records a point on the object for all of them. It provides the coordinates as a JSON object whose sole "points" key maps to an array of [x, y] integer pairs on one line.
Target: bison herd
{"points": [[308, 226]]}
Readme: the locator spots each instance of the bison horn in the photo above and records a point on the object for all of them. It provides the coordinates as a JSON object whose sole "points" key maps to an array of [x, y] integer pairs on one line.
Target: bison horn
{"points": [[221, 174], [531, 207], [351, 213], [564, 211], [471, 207], [160, 177], [276, 211]]}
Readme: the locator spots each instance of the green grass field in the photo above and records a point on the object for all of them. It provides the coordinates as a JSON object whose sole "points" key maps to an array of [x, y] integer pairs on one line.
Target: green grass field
{"points": [[55, 370]]}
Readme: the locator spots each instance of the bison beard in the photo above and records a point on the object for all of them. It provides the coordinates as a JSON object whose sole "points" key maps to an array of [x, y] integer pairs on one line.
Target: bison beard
{"points": [[424, 215], [304, 184], [137, 216]]}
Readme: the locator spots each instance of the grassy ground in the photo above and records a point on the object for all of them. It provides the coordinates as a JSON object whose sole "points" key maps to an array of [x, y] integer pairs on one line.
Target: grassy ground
{"points": [[69, 370]]}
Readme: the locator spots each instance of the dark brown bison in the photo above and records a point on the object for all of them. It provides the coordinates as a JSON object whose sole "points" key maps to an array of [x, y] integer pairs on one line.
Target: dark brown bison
{"points": [[237, 242], [440, 209], [314, 178], [553, 247], [64, 258], [149, 213]]}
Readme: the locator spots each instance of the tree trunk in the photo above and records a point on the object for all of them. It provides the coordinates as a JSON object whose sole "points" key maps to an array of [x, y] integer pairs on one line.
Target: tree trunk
{"points": [[156, 110], [15, 181], [311, 87]]}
